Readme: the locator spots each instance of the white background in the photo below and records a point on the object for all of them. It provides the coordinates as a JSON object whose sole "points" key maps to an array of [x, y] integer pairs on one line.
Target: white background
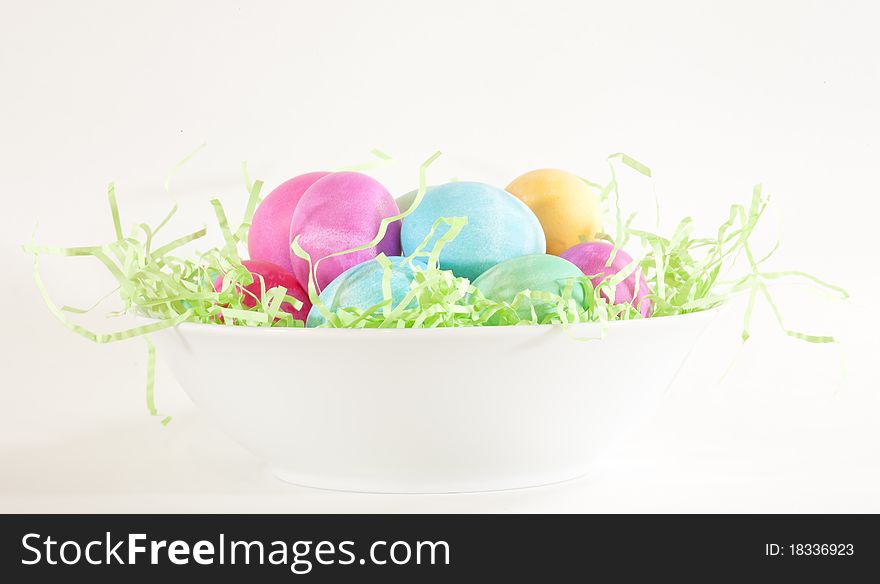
{"points": [[713, 96]]}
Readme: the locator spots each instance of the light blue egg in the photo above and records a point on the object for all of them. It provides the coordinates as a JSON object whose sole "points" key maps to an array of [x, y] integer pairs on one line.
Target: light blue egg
{"points": [[405, 201], [500, 227], [361, 287]]}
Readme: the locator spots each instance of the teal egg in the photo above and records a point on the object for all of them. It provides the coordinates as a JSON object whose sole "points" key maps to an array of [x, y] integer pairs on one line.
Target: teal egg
{"points": [[536, 272], [361, 287], [404, 202], [500, 227]]}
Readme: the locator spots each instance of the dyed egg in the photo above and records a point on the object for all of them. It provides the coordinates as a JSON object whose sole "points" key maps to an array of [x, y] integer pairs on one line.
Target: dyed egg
{"points": [[269, 233], [566, 207], [361, 287], [591, 258], [500, 227], [273, 276], [536, 272], [404, 202], [338, 212]]}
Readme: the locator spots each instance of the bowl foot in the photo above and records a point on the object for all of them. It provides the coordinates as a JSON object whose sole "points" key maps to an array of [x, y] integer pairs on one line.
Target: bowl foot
{"points": [[412, 486]]}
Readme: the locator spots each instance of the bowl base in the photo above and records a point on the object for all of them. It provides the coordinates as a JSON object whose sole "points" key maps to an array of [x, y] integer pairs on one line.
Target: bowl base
{"points": [[414, 487]]}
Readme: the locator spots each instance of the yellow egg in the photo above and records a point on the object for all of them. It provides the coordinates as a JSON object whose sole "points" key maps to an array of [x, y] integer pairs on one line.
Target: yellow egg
{"points": [[566, 207]]}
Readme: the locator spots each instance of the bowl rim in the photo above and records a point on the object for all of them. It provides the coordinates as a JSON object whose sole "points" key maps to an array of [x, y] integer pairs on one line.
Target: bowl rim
{"points": [[583, 326]]}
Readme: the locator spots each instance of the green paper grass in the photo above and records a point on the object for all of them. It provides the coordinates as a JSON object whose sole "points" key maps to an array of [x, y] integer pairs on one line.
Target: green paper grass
{"points": [[685, 273]]}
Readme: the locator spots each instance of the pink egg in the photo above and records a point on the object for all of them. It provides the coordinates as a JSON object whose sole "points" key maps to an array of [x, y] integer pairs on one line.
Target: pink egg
{"points": [[341, 211], [273, 276], [591, 258], [269, 234]]}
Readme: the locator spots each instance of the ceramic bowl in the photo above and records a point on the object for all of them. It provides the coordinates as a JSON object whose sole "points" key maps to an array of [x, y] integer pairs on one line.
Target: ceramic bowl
{"points": [[429, 411]]}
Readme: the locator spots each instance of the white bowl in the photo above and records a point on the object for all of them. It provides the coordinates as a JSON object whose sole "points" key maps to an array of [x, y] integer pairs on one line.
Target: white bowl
{"points": [[429, 411]]}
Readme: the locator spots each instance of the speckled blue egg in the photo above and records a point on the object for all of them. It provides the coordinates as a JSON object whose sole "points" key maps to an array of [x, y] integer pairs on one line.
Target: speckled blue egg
{"points": [[405, 201], [500, 227], [361, 287]]}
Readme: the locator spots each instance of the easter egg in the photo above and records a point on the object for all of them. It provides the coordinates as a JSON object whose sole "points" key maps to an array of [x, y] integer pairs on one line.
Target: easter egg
{"points": [[536, 272], [338, 212], [269, 233], [404, 202], [566, 207], [500, 227], [591, 258], [361, 287], [273, 276]]}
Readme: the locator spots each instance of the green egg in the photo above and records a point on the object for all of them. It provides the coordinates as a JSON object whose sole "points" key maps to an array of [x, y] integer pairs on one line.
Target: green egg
{"points": [[536, 272]]}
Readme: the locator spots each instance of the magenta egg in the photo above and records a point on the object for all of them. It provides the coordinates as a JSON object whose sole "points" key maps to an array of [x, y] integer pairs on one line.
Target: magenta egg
{"points": [[591, 258], [273, 276], [338, 212], [269, 234]]}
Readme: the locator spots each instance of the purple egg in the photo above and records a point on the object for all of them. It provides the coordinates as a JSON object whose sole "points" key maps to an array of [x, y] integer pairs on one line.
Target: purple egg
{"points": [[338, 212], [591, 258], [269, 234]]}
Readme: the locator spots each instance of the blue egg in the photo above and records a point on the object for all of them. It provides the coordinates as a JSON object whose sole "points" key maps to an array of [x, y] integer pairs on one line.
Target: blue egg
{"points": [[361, 287], [500, 227]]}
